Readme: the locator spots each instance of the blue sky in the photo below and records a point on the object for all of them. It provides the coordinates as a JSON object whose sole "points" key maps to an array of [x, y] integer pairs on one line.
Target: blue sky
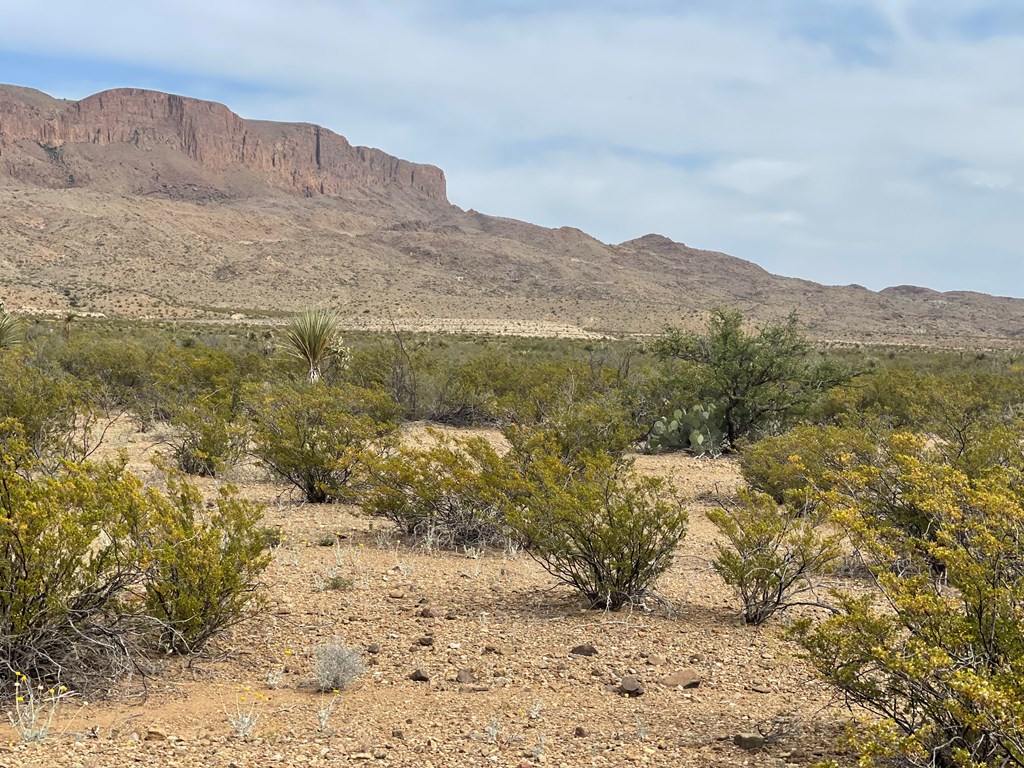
{"points": [[878, 142]]}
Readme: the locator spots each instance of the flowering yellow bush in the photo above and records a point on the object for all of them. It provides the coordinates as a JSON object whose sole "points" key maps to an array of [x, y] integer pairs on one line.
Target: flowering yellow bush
{"points": [[938, 652], [82, 548]]}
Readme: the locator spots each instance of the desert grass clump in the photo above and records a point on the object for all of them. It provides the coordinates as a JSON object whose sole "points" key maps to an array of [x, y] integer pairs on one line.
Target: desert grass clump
{"points": [[336, 666], [314, 337]]}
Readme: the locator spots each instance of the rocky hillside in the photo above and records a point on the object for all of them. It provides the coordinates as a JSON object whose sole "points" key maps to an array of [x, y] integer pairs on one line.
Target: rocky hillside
{"points": [[146, 204]]}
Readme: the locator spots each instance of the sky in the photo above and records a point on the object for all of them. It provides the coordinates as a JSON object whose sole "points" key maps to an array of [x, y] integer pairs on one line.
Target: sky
{"points": [[878, 142]]}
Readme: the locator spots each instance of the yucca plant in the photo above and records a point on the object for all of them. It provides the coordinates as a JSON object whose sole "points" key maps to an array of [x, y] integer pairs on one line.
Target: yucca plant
{"points": [[10, 330], [313, 336]]}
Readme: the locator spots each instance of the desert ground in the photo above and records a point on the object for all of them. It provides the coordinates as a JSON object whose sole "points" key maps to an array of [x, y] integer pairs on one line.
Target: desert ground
{"points": [[493, 634]]}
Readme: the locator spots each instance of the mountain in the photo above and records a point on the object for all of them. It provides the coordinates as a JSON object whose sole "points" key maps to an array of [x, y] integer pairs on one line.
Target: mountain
{"points": [[142, 203]]}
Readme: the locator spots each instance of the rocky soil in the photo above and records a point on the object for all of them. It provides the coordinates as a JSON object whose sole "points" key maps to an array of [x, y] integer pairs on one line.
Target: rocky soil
{"points": [[472, 659]]}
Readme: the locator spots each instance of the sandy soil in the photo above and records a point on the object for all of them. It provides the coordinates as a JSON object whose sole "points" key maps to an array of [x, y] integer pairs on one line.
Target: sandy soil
{"points": [[497, 614]]}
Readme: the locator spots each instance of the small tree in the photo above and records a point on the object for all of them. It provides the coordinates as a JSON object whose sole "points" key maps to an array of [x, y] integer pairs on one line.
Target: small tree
{"points": [[314, 337], [594, 525], [756, 380]]}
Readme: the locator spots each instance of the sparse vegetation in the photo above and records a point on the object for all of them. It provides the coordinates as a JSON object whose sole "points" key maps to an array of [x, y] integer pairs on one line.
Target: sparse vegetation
{"points": [[336, 666], [908, 478]]}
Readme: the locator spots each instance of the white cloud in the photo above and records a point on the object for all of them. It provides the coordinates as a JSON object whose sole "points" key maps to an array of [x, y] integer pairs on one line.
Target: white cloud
{"points": [[723, 129]]}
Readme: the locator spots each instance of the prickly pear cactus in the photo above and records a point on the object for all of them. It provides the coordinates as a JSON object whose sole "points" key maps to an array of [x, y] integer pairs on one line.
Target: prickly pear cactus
{"points": [[695, 430]]}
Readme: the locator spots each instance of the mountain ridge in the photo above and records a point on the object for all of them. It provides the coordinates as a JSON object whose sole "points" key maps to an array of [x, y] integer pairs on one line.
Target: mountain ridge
{"points": [[142, 203]]}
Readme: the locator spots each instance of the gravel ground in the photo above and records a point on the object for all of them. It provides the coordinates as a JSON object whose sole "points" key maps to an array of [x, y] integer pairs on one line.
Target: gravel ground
{"points": [[493, 635]]}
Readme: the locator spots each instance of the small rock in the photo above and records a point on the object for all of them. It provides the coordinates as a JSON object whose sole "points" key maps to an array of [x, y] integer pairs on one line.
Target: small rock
{"points": [[396, 594], [760, 688], [749, 741], [496, 650], [465, 676], [474, 688], [430, 613], [155, 734], [584, 650], [398, 733], [657, 661], [419, 676], [579, 732], [630, 686], [426, 641], [687, 678], [373, 648]]}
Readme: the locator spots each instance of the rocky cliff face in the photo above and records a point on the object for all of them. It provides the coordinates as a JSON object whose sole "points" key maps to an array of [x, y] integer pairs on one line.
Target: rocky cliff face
{"points": [[299, 158]]}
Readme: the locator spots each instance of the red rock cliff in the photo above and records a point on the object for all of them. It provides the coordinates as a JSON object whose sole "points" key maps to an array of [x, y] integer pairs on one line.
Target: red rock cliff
{"points": [[302, 158]]}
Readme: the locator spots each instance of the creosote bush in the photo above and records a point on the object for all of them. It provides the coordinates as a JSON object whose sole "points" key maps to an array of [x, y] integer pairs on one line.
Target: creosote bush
{"points": [[594, 524], [449, 491], [77, 558], [937, 651], [794, 467], [207, 439], [773, 555], [205, 567], [320, 438]]}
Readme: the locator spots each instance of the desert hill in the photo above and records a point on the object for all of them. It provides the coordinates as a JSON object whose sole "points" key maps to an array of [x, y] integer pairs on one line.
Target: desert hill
{"points": [[142, 203]]}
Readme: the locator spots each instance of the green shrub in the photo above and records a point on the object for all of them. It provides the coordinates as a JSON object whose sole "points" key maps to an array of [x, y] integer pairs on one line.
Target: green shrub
{"points": [[448, 491], [84, 551], [206, 439], [594, 525], [936, 655], [595, 425], [794, 467], [67, 556], [204, 572], [772, 555], [55, 413], [321, 438]]}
